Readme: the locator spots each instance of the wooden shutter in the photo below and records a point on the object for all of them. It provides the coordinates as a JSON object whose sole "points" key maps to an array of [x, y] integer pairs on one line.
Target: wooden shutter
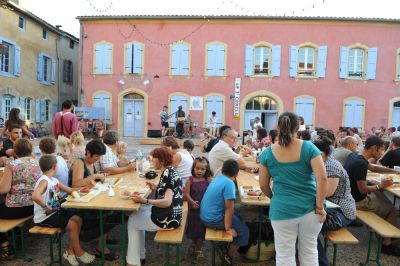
{"points": [[211, 60], [321, 61], [371, 65], [248, 61], [107, 59], [293, 56], [128, 58], [22, 108], [98, 53], [137, 59], [53, 71], [37, 111], [17, 60], [184, 59], [175, 52], [344, 62], [220, 60], [276, 61], [65, 71], [40, 67], [43, 111]]}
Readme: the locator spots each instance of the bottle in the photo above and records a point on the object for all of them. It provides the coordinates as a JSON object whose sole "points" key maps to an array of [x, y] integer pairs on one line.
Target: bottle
{"points": [[111, 192], [38, 153], [139, 162]]}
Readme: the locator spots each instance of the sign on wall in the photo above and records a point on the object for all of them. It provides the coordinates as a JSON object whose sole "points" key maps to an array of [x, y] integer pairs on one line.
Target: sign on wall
{"points": [[90, 112], [236, 104], [196, 103]]}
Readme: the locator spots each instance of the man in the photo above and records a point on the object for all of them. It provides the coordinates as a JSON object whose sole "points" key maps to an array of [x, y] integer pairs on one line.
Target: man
{"points": [[210, 144], [65, 123], [222, 151], [343, 132], [8, 145], [391, 157], [212, 124], [354, 133], [257, 123], [180, 119], [347, 146], [369, 197], [164, 121], [109, 162]]}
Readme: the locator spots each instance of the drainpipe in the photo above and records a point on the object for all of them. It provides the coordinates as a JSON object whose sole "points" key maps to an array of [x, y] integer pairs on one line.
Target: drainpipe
{"points": [[80, 88]]}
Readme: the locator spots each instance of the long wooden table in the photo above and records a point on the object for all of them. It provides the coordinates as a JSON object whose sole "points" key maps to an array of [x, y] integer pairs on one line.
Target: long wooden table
{"points": [[103, 202], [376, 178]]}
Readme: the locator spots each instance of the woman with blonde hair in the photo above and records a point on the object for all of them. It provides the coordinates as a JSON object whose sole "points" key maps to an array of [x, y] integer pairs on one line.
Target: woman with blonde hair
{"points": [[121, 153], [77, 146]]}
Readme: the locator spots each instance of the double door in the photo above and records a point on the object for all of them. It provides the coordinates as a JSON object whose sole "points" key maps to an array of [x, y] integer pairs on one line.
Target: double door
{"points": [[133, 118]]}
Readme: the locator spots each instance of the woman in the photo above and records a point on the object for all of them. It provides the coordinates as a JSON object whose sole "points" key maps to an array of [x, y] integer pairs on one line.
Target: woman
{"points": [[81, 174], [273, 136], [262, 140], [292, 164], [13, 118], [99, 128], [18, 182], [339, 192], [182, 159], [166, 210]]}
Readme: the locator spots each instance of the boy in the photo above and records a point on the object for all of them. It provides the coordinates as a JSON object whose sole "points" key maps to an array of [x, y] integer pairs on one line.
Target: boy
{"points": [[47, 210], [217, 208]]}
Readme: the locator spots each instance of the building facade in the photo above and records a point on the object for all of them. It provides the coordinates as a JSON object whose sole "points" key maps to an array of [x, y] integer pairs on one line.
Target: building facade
{"points": [[333, 72], [32, 53]]}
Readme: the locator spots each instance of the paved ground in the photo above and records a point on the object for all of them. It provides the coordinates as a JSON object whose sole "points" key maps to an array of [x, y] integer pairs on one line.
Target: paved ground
{"points": [[38, 249]]}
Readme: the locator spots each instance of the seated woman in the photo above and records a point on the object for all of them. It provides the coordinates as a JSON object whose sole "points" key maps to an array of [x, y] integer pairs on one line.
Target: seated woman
{"points": [[166, 212], [77, 147], [18, 183], [262, 139], [339, 192], [82, 174]]}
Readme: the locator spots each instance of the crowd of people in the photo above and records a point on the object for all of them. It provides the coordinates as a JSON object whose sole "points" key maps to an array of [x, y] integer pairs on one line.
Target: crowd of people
{"points": [[306, 167]]}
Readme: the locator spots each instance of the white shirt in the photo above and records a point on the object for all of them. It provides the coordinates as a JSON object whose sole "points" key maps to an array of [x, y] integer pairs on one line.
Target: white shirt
{"points": [[62, 172], [184, 168], [108, 160], [219, 154], [212, 121], [259, 124], [51, 195]]}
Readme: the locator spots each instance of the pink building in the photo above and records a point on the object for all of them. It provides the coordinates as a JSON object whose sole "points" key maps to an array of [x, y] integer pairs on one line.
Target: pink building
{"points": [[333, 72]]}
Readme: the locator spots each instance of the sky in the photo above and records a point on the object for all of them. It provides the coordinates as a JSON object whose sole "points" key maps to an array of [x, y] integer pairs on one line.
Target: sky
{"points": [[63, 12]]}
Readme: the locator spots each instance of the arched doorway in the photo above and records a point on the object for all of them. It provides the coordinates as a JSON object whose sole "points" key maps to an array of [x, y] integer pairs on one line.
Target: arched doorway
{"points": [[133, 114], [264, 107], [395, 122]]}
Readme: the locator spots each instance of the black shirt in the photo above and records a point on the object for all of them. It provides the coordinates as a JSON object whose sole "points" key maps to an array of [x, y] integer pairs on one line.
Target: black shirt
{"points": [[208, 147], [392, 158], [357, 168], [8, 144]]}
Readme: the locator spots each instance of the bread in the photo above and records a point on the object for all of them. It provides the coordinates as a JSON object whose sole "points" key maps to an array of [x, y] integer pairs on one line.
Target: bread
{"points": [[75, 195]]}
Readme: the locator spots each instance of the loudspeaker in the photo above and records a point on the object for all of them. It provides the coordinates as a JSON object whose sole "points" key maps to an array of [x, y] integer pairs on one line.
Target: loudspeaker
{"points": [[154, 133]]}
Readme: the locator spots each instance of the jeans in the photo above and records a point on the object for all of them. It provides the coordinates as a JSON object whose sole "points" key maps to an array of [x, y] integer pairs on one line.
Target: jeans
{"points": [[179, 129], [238, 224], [305, 230], [139, 222]]}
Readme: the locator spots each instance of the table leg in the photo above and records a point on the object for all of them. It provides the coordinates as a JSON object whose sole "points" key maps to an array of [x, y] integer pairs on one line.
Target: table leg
{"points": [[102, 237], [124, 244], [260, 217]]}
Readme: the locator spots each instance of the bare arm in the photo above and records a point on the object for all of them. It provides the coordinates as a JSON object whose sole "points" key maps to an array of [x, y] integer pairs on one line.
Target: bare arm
{"points": [[161, 203], [382, 169], [119, 170], [5, 180], [10, 153], [27, 132], [317, 165], [363, 187], [38, 192], [264, 180], [78, 173], [228, 217], [176, 160], [333, 182]]}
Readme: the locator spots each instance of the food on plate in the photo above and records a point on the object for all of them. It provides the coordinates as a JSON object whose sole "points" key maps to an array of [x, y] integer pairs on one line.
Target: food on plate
{"points": [[84, 190], [75, 195], [254, 193]]}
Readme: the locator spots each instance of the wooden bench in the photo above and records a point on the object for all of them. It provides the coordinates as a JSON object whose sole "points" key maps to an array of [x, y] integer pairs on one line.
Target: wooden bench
{"points": [[341, 236], [55, 235], [10, 225], [381, 227], [215, 236], [173, 237]]}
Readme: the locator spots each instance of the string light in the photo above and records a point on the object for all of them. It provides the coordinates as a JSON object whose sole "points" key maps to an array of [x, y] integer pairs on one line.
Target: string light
{"points": [[92, 5]]}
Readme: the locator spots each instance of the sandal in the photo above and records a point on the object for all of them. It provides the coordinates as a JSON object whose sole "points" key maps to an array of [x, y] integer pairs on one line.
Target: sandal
{"points": [[6, 253], [111, 256]]}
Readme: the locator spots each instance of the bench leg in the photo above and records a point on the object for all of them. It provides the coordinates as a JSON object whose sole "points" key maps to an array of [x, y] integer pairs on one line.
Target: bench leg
{"points": [[326, 246], [334, 254], [378, 251], [51, 250], [168, 257], [213, 253], [59, 248]]}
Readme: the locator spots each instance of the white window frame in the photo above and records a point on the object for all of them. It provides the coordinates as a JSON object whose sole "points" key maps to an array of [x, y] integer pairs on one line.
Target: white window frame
{"points": [[23, 23], [354, 74], [305, 69], [7, 107], [46, 69], [260, 61], [28, 109], [10, 59]]}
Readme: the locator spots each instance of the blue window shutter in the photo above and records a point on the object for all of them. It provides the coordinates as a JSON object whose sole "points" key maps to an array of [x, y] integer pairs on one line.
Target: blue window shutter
{"points": [[98, 53], [128, 58], [22, 108], [276, 61], [211, 60], [107, 59], [358, 114], [371, 66], [53, 71], [137, 59], [14, 102], [184, 59], [175, 53], [40, 67], [248, 61], [293, 55], [220, 64], [344, 62], [37, 111], [321, 62], [17, 60], [43, 111]]}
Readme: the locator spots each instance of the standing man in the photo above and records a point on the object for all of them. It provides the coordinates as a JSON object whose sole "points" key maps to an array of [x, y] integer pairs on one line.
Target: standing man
{"points": [[65, 123], [180, 119], [212, 124], [164, 121]]}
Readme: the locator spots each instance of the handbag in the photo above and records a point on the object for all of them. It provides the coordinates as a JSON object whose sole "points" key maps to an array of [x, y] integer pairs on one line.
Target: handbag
{"points": [[332, 222], [161, 213]]}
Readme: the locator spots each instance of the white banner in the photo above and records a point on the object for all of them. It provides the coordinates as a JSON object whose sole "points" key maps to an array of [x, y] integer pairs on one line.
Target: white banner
{"points": [[196, 103], [236, 105]]}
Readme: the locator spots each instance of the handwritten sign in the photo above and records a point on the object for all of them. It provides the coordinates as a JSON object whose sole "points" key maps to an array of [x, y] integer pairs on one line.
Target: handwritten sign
{"points": [[236, 105]]}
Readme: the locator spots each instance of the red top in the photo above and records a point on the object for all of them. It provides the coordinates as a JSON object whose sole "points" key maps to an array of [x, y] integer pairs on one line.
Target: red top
{"points": [[70, 124]]}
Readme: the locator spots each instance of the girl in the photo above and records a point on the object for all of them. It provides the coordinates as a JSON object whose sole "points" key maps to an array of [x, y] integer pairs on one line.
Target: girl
{"points": [[195, 188], [121, 153], [47, 212], [77, 147]]}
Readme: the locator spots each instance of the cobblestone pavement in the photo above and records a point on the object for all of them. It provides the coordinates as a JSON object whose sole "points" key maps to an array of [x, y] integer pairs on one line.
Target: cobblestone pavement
{"points": [[38, 246]]}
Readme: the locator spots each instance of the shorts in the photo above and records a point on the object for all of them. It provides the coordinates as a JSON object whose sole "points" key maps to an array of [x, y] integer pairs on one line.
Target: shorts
{"points": [[59, 219], [376, 202], [164, 124]]}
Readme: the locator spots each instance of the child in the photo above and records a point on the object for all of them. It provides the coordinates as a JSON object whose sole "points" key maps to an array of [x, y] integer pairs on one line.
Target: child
{"points": [[195, 189], [189, 146], [121, 151], [217, 208], [47, 210], [77, 147]]}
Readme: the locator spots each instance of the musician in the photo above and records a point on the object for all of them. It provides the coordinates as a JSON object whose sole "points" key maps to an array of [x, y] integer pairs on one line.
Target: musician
{"points": [[180, 119], [164, 121]]}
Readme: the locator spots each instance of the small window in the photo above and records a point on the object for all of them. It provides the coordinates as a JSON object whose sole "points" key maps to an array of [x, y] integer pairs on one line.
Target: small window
{"points": [[67, 77], [7, 107], [45, 34], [46, 68], [28, 108], [21, 23], [5, 57], [47, 110], [71, 44], [262, 60], [356, 63], [306, 65]]}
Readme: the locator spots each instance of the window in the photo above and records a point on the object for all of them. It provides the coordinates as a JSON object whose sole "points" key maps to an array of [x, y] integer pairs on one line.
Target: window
{"points": [[71, 44], [103, 100], [358, 62], [46, 69], [214, 103], [354, 113], [134, 58], [67, 72], [307, 60], [10, 55], [216, 59], [103, 58], [305, 107], [21, 23], [44, 34], [7, 107], [28, 108], [261, 103], [180, 59], [262, 59], [47, 110]]}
